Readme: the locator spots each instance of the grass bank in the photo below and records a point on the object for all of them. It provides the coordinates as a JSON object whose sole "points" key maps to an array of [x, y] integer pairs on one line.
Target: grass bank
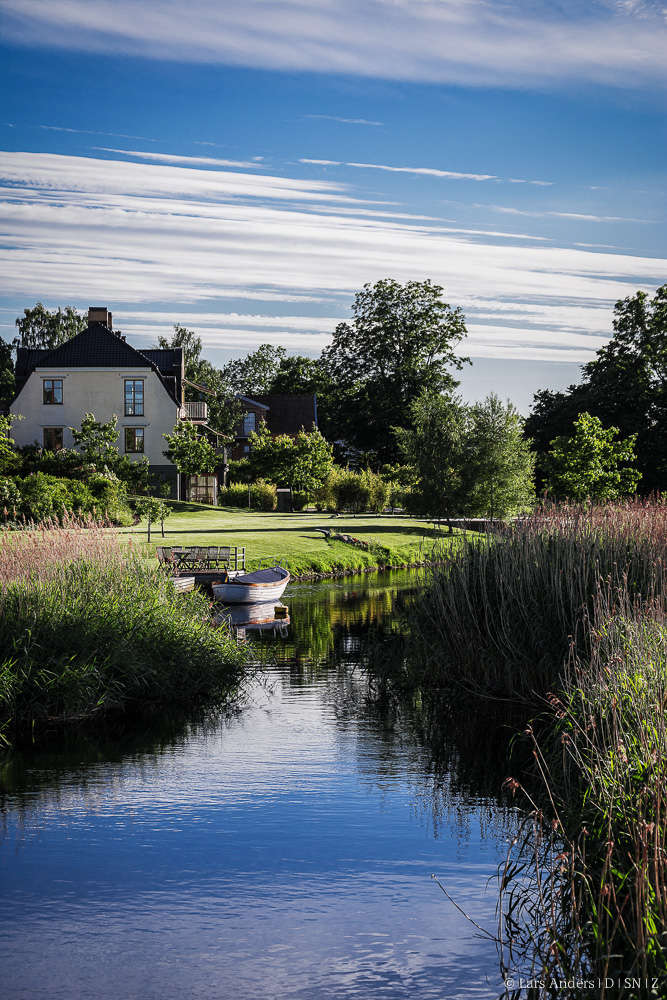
{"points": [[566, 614], [393, 541], [89, 627]]}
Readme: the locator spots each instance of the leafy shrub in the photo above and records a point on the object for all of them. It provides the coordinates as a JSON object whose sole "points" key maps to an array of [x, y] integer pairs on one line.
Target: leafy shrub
{"points": [[44, 497], [263, 495], [351, 493], [299, 500], [379, 490], [110, 497], [40, 497]]}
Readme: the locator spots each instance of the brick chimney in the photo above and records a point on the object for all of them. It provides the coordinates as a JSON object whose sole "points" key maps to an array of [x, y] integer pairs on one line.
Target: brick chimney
{"points": [[100, 314]]}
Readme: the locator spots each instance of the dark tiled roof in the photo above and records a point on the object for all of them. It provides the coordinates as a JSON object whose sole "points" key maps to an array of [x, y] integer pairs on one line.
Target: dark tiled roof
{"points": [[95, 347], [27, 358], [254, 400], [165, 360], [288, 414]]}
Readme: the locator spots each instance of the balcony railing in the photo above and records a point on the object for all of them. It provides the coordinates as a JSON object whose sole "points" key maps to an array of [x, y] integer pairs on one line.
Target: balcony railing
{"points": [[194, 411]]}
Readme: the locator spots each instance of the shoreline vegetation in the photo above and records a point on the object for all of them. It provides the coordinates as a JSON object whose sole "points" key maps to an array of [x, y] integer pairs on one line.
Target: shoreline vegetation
{"points": [[91, 627], [565, 614]]}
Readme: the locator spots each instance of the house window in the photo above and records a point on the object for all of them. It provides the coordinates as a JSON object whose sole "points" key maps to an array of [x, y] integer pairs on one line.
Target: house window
{"points": [[134, 439], [249, 424], [52, 390], [134, 397], [53, 438]]}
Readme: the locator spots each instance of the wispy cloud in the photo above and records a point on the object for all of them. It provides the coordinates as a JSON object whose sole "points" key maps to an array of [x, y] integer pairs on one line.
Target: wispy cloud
{"points": [[426, 171], [192, 161], [581, 216], [132, 233], [491, 43], [423, 171], [519, 180], [345, 121], [80, 131]]}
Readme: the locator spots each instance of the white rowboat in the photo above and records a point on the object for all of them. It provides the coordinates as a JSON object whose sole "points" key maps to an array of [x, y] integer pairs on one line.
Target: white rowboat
{"points": [[253, 588]]}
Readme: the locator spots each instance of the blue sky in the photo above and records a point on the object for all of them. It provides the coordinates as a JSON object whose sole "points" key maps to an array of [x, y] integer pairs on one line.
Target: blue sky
{"points": [[243, 167]]}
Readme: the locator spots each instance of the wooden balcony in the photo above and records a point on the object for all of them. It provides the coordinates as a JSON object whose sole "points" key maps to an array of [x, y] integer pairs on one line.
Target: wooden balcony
{"points": [[197, 412]]}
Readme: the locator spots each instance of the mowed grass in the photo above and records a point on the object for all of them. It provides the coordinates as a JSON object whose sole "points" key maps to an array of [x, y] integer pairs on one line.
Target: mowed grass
{"points": [[292, 539]]}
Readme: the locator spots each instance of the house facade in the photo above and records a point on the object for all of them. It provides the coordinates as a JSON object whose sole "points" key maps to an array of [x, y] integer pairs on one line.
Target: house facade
{"points": [[99, 372]]}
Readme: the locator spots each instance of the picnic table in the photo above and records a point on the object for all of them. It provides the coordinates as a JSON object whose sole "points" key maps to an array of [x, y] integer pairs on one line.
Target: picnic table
{"points": [[177, 558]]}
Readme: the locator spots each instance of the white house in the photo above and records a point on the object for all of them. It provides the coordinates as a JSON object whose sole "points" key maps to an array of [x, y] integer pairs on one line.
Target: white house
{"points": [[99, 372]]}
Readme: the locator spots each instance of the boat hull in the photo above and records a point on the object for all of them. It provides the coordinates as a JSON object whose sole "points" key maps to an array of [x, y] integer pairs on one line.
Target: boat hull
{"points": [[245, 590]]}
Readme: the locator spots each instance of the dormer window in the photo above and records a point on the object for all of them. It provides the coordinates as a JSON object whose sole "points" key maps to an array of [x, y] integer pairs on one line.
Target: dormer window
{"points": [[134, 397], [52, 389]]}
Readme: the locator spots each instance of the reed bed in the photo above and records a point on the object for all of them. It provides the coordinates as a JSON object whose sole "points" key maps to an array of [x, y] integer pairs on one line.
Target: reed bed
{"points": [[500, 615], [584, 894], [566, 612], [89, 625]]}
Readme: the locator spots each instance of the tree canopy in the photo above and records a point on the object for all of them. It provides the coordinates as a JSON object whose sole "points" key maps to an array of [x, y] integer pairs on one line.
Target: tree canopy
{"points": [[45, 328], [256, 372], [399, 344], [469, 460], [7, 380], [303, 463], [591, 464], [625, 386], [189, 451]]}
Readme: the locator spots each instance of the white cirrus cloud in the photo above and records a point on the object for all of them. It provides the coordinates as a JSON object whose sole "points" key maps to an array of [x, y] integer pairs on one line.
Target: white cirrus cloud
{"points": [[192, 161], [344, 121], [471, 42], [424, 171], [130, 234]]}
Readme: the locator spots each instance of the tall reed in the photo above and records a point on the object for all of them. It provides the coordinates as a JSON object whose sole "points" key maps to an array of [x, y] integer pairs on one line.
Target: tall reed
{"points": [[585, 894], [500, 614], [89, 625]]}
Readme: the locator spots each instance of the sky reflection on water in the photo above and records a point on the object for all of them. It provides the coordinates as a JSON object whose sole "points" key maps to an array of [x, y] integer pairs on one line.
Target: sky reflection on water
{"points": [[283, 850]]}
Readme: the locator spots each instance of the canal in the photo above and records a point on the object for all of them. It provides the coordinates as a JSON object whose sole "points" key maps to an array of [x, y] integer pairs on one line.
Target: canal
{"points": [[280, 849]]}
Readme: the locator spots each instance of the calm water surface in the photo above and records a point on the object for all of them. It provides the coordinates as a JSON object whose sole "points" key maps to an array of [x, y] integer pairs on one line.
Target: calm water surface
{"points": [[280, 850]]}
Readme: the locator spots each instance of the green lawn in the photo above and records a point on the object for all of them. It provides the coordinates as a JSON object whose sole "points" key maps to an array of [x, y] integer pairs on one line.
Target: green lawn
{"points": [[292, 539]]}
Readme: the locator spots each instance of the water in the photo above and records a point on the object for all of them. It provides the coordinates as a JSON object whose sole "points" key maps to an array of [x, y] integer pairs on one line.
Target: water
{"points": [[283, 849]]}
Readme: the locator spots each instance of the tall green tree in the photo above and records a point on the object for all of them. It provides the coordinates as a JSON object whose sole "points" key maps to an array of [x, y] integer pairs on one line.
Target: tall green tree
{"points": [[256, 373], [625, 386], [48, 328], [502, 462], [400, 343], [224, 410], [591, 464], [7, 381], [469, 460], [9, 458]]}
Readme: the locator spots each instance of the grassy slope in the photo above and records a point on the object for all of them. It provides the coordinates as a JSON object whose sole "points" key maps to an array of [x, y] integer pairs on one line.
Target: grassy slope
{"points": [[291, 538]]}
